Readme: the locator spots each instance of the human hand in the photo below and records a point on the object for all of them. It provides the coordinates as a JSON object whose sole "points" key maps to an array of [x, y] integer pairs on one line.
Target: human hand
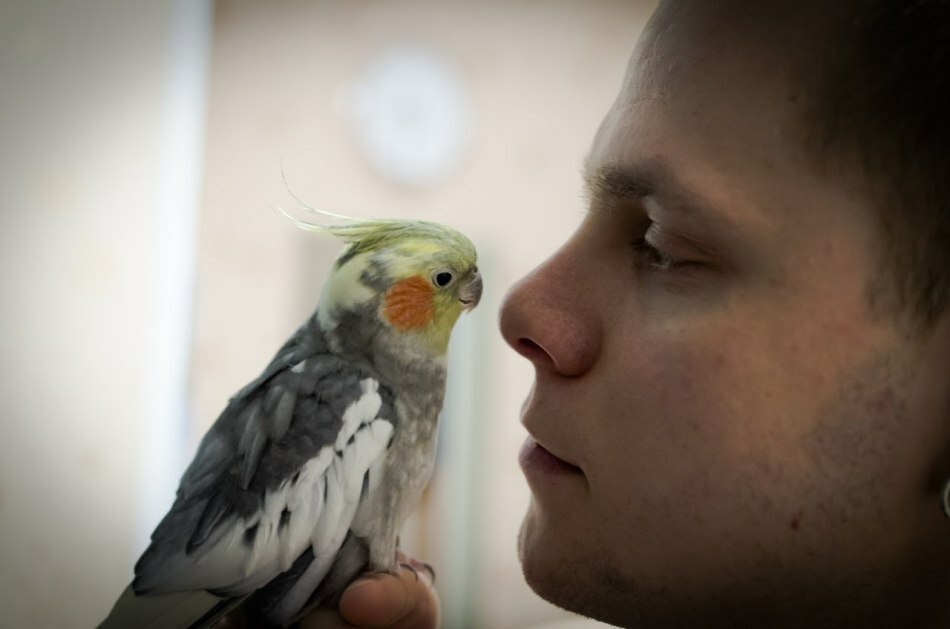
{"points": [[381, 600]]}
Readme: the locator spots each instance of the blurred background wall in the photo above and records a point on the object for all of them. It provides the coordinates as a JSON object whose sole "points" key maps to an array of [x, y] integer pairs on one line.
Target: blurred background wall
{"points": [[146, 274]]}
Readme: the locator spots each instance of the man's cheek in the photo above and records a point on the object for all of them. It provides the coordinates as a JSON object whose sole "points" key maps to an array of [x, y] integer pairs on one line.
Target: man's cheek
{"points": [[676, 392], [699, 404], [663, 421]]}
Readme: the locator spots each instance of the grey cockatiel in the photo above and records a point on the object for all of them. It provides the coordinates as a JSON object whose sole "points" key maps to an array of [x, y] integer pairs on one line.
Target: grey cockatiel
{"points": [[306, 477]]}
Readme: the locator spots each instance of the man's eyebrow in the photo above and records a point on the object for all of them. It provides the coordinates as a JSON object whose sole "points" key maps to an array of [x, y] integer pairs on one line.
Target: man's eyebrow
{"points": [[617, 182]]}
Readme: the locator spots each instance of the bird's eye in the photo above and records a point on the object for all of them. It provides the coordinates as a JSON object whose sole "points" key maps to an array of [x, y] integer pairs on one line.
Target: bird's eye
{"points": [[443, 279]]}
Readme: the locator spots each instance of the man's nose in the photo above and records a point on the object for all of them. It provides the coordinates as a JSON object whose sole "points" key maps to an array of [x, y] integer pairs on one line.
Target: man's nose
{"points": [[545, 318]]}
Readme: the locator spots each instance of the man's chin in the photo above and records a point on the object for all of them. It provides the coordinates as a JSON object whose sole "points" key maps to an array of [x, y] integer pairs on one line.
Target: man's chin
{"points": [[564, 569], [541, 560], [558, 570]]}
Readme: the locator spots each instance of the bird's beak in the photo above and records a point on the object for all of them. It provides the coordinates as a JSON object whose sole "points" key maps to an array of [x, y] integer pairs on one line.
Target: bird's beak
{"points": [[470, 291]]}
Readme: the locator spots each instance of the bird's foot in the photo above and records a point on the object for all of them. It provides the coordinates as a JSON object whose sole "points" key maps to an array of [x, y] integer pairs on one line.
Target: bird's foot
{"points": [[415, 567]]}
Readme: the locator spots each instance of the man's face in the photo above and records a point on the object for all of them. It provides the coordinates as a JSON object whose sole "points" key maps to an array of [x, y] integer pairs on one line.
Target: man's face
{"points": [[722, 425]]}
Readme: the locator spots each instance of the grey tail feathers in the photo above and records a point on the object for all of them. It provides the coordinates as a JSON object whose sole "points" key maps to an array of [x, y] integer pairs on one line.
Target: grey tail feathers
{"points": [[351, 560], [197, 609], [184, 610]]}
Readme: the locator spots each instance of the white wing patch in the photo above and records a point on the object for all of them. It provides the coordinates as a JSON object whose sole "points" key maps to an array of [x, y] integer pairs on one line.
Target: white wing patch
{"points": [[276, 539], [359, 412], [344, 487], [315, 507]]}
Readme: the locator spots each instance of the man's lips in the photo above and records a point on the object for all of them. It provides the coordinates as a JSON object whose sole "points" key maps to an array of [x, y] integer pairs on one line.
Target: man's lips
{"points": [[535, 458]]}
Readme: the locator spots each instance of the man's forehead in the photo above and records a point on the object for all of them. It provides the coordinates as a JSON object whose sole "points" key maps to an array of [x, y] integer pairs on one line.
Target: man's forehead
{"points": [[704, 123], [697, 80], [770, 17], [684, 37]]}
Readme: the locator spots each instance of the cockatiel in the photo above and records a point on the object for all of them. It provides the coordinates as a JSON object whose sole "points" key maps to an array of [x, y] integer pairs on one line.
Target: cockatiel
{"points": [[306, 477]]}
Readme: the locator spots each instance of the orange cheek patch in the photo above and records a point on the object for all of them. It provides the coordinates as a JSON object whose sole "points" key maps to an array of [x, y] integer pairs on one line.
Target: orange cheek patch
{"points": [[408, 304]]}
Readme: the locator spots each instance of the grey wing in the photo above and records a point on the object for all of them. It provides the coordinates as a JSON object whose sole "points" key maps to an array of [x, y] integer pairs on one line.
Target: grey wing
{"points": [[190, 610], [279, 474]]}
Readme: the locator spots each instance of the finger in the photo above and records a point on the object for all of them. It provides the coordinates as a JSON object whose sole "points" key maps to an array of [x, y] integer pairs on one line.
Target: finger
{"points": [[405, 601], [323, 618]]}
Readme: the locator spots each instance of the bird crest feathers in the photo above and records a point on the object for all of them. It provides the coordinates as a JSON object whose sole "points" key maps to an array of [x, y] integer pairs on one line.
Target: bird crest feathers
{"points": [[364, 234]]}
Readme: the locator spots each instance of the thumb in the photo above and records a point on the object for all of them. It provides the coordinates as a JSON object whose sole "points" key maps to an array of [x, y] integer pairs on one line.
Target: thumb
{"points": [[406, 601]]}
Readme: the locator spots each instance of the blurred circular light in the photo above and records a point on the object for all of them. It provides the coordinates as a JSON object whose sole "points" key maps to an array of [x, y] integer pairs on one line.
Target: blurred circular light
{"points": [[412, 115]]}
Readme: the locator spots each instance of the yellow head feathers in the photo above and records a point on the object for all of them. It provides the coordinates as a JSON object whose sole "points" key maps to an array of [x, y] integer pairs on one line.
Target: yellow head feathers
{"points": [[421, 274], [370, 234]]}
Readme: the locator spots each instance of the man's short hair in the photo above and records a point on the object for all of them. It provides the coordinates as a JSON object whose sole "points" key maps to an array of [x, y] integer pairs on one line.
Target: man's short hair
{"points": [[881, 101]]}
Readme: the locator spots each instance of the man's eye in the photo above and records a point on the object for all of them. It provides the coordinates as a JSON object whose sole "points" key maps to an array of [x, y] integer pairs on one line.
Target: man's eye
{"points": [[651, 256]]}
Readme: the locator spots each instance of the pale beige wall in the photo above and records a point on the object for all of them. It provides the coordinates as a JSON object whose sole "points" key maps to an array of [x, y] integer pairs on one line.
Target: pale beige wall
{"points": [[540, 77], [86, 165]]}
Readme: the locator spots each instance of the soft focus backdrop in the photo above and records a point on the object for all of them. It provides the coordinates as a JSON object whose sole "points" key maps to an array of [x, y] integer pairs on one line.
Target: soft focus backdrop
{"points": [[147, 275]]}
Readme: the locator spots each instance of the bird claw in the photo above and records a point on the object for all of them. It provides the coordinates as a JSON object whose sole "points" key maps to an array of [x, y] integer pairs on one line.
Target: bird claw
{"points": [[411, 568], [428, 568], [415, 567]]}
